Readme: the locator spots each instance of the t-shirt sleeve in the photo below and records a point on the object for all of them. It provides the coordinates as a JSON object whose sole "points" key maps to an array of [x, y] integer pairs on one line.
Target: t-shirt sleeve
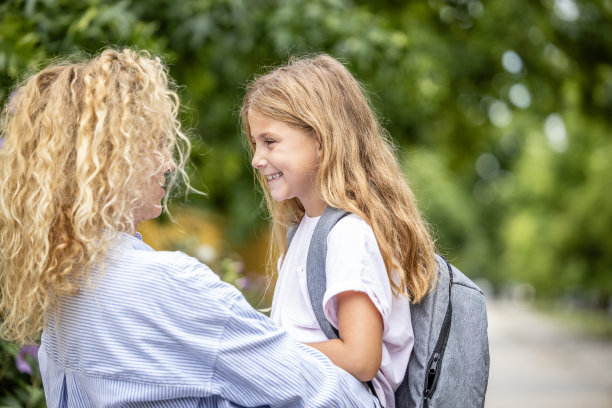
{"points": [[354, 263]]}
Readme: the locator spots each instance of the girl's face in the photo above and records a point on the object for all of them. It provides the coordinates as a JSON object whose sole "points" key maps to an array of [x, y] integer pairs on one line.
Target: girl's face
{"points": [[289, 159]]}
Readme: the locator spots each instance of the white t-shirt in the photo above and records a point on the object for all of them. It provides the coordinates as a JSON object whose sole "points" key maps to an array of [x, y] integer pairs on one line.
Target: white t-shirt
{"points": [[353, 263]]}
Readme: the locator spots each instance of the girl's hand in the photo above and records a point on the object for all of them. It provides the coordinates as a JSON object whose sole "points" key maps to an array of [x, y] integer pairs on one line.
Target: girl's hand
{"points": [[359, 348]]}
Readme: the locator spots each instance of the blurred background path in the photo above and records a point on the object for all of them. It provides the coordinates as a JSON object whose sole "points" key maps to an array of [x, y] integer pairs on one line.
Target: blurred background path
{"points": [[538, 362]]}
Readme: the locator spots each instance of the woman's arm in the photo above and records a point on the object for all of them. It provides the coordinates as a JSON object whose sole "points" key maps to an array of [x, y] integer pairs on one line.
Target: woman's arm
{"points": [[258, 364], [359, 348]]}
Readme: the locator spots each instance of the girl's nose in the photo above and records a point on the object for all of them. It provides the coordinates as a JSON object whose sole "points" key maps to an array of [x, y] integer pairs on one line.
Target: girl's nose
{"points": [[258, 161]]}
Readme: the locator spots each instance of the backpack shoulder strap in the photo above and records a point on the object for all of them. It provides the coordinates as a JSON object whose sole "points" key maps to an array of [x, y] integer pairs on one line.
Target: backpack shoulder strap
{"points": [[316, 278], [291, 233], [435, 361]]}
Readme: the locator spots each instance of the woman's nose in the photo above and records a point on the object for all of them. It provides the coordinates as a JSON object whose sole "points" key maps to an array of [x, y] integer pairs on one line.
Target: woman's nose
{"points": [[169, 165]]}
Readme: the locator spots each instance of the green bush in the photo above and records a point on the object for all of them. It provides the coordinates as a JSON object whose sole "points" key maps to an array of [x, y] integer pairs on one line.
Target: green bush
{"points": [[20, 381]]}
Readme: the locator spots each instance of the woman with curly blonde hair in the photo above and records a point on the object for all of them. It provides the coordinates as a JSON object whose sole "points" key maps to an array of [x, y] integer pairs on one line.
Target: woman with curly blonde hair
{"points": [[316, 143], [89, 151], [76, 140]]}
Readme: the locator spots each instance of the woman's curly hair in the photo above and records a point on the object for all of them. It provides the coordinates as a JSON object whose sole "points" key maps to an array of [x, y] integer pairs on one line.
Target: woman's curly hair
{"points": [[81, 140]]}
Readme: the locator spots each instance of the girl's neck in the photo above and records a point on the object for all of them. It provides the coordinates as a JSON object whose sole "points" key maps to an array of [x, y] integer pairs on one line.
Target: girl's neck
{"points": [[315, 208]]}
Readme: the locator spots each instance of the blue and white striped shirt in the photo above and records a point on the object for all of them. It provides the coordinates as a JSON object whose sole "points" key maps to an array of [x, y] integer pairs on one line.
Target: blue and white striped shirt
{"points": [[159, 329]]}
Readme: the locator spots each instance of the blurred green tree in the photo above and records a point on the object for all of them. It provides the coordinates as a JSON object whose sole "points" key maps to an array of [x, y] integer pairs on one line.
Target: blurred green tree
{"points": [[501, 112], [500, 109]]}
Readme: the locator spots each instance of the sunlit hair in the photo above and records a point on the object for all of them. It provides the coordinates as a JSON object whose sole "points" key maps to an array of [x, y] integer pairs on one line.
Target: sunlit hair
{"points": [[81, 140], [358, 171]]}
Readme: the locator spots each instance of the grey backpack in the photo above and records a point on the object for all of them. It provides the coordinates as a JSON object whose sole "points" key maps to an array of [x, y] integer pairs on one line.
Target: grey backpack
{"points": [[449, 364]]}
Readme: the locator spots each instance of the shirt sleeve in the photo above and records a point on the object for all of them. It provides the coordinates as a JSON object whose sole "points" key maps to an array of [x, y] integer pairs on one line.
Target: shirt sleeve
{"points": [[252, 361], [258, 364], [354, 263]]}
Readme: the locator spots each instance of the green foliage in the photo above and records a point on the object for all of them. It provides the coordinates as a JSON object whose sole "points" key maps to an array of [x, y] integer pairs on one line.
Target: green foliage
{"points": [[19, 389], [500, 109]]}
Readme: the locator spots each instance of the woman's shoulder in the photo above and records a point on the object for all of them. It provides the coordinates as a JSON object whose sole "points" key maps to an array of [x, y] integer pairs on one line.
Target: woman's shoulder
{"points": [[180, 282], [153, 258], [179, 266], [173, 268]]}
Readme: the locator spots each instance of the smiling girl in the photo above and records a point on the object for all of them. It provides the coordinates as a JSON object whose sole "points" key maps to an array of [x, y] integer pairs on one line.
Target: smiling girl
{"points": [[316, 143]]}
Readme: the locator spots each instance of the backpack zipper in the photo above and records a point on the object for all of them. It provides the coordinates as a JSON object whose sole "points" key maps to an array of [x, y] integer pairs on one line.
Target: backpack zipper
{"points": [[435, 362], [432, 378]]}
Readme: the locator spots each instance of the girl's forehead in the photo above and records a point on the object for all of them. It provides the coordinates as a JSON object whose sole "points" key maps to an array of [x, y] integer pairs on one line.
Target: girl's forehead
{"points": [[259, 121]]}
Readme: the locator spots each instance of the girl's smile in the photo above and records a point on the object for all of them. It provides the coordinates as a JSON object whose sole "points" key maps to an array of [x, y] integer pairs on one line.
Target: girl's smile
{"points": [[274, 176]]}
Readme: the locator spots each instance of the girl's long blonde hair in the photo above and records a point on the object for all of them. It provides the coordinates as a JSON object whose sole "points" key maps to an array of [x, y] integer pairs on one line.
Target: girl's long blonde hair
{"points": [[81, 141], [358, 172]]}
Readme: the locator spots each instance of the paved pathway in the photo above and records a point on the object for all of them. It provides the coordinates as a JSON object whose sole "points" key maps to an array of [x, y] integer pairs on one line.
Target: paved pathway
{"points": [[538, 363]]}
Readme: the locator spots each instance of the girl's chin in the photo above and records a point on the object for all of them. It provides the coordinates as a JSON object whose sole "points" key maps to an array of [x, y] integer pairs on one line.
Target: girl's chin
{"points": [[277, 197]]}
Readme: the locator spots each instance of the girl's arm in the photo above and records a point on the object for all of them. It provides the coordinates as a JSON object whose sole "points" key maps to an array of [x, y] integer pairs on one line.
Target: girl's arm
{"points": [[359, 348]]}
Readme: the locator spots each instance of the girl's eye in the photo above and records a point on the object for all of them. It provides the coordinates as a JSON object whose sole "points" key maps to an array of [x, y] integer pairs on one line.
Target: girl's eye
{"points": [[269, 141]]}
